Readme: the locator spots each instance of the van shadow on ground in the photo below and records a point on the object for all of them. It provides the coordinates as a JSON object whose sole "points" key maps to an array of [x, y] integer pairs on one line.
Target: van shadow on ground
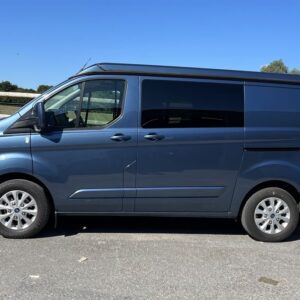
{"points": [[68, 226]]}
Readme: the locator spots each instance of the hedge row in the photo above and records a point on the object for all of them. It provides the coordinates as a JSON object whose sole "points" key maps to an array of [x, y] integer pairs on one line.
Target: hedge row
{"points": [[13, 101]]}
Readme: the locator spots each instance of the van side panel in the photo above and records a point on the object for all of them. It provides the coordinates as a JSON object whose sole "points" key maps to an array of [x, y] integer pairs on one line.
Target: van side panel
{"points": [[263, 166], [272, 139], [15, 156], [192, 167], [272, 116], [85, 170]]}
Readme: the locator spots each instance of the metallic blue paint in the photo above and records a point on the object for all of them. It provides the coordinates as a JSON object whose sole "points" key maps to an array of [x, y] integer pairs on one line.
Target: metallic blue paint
{"points": [[15, 155], [190, 172], [272, 116], [188, 159], [272, 139], [87, 159], [198, 164]]}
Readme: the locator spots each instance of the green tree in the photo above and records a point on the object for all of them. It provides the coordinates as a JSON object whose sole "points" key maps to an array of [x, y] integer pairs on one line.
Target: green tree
{"points": [[43, 87], [22, 90], [7, 86], [295, 71], [276, 66]]}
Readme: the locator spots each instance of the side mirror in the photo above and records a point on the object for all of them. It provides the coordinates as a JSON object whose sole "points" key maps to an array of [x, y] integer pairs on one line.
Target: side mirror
{"points": [[41, 123]]}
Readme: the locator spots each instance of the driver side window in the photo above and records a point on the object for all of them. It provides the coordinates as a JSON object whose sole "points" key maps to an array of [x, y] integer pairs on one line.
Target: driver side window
{"points": [[62, 109], [94, 103], [101, 103]]}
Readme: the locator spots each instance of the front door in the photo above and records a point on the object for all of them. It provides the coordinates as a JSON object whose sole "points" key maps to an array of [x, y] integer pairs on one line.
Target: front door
{"points": [[87, 156], [190, 145]]}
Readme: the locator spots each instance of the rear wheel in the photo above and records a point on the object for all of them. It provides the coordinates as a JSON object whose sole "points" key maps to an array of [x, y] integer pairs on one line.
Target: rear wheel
{"points": [[24, 209], [270, 215]]}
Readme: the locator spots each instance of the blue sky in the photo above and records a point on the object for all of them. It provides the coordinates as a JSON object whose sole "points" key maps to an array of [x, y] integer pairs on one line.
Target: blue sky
{"points": [[45, 41]]}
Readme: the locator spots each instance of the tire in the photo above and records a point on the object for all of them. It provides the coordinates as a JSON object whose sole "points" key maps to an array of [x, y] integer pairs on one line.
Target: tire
{"points": [[28, 209], [270, 215]]}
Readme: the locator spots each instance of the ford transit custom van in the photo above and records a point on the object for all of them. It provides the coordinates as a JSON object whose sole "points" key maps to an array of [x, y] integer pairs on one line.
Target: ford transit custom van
{"points": [[118, 139]]}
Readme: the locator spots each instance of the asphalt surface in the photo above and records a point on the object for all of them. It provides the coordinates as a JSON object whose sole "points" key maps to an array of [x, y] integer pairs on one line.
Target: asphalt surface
{"points": [[148, 258]]}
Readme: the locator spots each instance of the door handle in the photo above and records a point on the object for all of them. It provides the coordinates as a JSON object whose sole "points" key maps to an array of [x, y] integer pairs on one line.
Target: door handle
{"points": [[120, 137], [153, 136]]}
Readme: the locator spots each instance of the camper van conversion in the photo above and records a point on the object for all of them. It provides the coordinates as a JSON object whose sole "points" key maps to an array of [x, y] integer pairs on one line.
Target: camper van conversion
{"points": [[125, 140]]}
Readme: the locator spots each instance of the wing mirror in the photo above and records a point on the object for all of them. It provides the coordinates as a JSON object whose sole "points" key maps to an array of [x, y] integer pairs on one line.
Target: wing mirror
{"points": [[41, 123]]}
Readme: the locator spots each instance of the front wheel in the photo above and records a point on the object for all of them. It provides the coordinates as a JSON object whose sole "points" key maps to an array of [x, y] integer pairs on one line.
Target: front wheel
{"points": [[24, 209], [270, 215]]}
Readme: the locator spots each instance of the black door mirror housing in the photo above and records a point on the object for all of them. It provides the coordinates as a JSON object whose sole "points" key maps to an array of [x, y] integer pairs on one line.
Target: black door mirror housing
{"points": [[41, 123]]}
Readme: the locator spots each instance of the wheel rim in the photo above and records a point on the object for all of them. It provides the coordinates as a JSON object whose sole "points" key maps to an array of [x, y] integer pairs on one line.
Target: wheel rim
{"points": [[272, 215], [18, 210]]}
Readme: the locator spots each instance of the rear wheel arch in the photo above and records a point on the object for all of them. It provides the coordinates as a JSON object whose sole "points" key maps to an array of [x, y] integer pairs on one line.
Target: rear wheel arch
{"points": [[270, 183], [271, 214]]}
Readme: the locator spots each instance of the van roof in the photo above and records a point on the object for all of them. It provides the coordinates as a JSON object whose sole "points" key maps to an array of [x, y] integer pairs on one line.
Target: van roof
{"points": [[155, 70]]}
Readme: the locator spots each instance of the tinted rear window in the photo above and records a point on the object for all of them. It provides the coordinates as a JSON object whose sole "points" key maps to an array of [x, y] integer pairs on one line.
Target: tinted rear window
{"points": [[183, 104]]}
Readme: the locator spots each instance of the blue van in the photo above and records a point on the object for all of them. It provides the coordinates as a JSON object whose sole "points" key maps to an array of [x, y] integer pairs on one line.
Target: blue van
{"points": [[119, 139]]}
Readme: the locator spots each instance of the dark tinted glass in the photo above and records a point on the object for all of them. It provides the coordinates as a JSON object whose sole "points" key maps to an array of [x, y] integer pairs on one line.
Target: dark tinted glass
{"points": [[182, 104]]}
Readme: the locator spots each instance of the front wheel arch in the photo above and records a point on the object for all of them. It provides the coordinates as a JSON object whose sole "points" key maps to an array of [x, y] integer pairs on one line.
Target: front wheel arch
{"points": [[25, 209], [25, 176]]}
